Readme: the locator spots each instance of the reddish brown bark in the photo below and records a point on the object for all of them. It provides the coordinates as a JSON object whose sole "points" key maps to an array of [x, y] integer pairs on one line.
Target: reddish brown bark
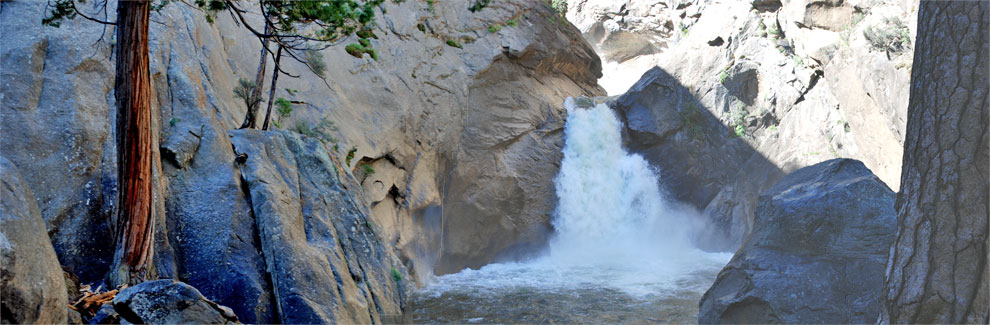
{"points": [[132, 89]]}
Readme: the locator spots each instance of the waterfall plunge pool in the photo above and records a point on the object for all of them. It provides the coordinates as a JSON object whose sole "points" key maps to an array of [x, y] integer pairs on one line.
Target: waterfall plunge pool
{"points": [[620, 253]]}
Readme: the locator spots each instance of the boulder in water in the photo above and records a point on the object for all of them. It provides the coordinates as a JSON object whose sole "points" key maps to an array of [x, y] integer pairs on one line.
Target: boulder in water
{"points": [[816, 254]]}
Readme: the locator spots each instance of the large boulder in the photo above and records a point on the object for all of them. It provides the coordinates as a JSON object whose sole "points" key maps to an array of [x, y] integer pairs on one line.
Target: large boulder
{"points": [[817, 252], [32, 288], [169, 302]]}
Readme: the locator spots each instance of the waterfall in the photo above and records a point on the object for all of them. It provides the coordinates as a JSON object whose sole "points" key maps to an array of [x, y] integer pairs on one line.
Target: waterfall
{"points": [[620, 249], [611, 207]]}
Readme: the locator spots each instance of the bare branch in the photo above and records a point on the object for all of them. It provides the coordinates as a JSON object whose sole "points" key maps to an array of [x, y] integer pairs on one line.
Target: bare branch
{"points": [[81, 14]]}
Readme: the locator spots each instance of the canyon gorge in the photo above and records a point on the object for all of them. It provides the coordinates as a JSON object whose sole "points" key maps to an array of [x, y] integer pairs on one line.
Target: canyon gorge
{"points": [[512, 161]]}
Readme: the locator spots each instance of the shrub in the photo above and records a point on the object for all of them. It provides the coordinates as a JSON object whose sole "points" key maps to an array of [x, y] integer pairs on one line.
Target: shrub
{"points": [[723, 75], [511, 23], [358, 49], [321, 131], [314, 59], [350, 155], [893, 37], [245, 91], [283, 108], [691, 118], [396, 275], [367, 170], [559, 7], [494, 28], [454, 43], [739, 131], [478, 5]]}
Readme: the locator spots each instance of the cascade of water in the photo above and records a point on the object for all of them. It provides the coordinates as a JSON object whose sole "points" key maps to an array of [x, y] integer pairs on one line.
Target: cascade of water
{"points": [[610, 206], [619, 245]]}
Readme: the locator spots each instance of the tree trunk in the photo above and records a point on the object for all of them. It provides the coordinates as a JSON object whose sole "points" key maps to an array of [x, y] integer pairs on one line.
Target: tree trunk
{"points": [[937, 271], [271, 93], [259, 79], [132, 90]]}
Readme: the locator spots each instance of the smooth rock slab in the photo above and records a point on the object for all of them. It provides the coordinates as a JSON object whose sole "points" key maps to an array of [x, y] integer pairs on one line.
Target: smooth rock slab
{"points": [[817, 252]]}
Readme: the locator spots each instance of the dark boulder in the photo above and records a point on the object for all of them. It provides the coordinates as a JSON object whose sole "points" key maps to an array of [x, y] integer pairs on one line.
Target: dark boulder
{"points": [[816, 254], [169, 302]]}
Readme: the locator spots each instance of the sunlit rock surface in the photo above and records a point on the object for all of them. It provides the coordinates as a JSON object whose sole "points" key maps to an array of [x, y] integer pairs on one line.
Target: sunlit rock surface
{"points": [[799, 82]]}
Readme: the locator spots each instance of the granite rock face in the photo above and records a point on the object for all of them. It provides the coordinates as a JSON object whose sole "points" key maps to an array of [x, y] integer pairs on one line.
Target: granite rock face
{"points": [[797, 82], [465, 141], [32, 288], [327, 263], [816, 255]]}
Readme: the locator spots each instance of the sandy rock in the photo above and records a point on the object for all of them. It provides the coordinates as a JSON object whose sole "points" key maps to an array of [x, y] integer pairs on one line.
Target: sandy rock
{"points": [[817, 253], [32, 288]]}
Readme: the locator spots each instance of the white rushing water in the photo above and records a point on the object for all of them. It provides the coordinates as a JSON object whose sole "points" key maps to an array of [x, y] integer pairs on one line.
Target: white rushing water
{"points": [[615, 234]]}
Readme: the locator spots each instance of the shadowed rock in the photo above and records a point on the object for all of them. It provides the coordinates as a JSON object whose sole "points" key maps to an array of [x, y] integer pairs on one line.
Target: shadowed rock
{"points": [[816, 254], [169, 302]]}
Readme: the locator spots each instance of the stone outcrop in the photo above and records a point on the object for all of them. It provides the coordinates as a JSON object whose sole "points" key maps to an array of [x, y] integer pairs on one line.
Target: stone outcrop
{"points": [[326, 262], [816, 254], [464, 141], [168, 302], [799, 82], [32, 289]]}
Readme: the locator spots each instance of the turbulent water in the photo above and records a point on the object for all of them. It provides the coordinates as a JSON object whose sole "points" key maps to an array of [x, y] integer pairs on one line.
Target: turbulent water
{"points": [[621, 252]]}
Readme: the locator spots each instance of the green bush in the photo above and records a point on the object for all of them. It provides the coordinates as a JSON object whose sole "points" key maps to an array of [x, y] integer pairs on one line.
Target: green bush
{"points": [[892, 37], [494, 28], [454, 44], [350, 155], [358, 49], [320, 132], [245, 91], [478, 5], [314, 59], [511, 23], [396, 275], [691, 119], [559, 7], [739, 131], [367, 170]]}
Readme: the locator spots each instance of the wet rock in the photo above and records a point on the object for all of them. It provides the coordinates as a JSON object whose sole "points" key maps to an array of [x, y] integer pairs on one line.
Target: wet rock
{"points": [[168, 302], [32, 288], [817, 252]]}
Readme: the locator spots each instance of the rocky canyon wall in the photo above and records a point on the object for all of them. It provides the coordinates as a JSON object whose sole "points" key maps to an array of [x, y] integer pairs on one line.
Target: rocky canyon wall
{"points": [[458, 123], [747, 91]]}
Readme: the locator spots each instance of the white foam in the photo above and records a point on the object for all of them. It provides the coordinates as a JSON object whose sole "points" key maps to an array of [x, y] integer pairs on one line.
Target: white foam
{"points": [[614, 228]]}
